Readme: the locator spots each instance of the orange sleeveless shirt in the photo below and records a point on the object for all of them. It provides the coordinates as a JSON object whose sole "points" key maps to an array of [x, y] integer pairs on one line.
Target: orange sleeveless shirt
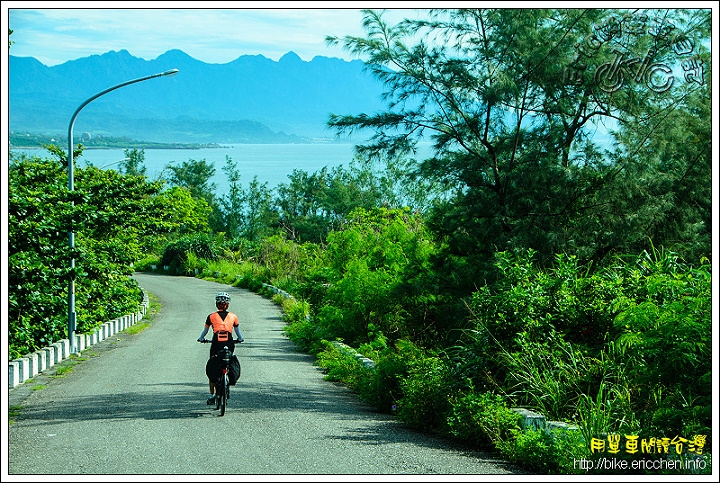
{"points": [[221, 327]]}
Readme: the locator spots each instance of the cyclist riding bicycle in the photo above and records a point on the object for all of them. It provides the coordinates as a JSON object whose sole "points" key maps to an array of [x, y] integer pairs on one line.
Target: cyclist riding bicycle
{"points": [[222, 323]]}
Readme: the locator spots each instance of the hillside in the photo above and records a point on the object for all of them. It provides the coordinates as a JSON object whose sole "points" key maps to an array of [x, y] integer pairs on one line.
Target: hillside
{"points": [[251, 99]]}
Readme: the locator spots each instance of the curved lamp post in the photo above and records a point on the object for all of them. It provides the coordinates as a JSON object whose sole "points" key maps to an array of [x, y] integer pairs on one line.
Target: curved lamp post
{"points": [[71, 187], [114, 162]]}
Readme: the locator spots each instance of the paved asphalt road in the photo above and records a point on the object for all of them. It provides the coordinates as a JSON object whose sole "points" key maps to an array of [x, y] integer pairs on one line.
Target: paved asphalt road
{"points": [[138, 407]]}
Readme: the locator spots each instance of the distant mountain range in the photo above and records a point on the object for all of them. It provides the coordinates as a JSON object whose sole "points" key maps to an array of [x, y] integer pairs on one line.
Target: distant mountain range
{"points": [[252, 99]]}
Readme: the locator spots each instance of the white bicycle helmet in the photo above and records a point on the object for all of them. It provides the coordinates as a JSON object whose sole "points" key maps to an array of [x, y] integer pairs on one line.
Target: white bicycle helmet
{"points": [[222, 297]]}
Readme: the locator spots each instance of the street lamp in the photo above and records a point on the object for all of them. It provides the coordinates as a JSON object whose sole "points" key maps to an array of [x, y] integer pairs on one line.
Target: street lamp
{"points": [[71, 187], [114, 162]]}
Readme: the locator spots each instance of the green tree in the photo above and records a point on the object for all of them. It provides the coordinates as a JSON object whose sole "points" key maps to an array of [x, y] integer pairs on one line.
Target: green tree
{"points": [[259, 214], [312, 205], [232, 204], [372, 279], [114, 216], [39, 214], [176, 214], [672, 157], [512, 99], [134, 163], [298, 206], [394, 182], [195, 176]]}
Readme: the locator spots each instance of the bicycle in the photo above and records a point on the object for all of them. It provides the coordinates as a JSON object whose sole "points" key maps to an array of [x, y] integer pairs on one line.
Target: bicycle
{"points": [[222, 385]]}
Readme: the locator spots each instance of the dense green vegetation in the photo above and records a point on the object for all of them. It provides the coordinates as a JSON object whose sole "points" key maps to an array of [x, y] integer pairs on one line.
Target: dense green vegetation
{"points": [[530, 262]]}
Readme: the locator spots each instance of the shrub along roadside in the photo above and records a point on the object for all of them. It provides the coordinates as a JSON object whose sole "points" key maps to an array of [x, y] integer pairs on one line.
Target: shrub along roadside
{"points": [[459, 392], [426, 398], [652, 304], [111, 216], [641, 328]]}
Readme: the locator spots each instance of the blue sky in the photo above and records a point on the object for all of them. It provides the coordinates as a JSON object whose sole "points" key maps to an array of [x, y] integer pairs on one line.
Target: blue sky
{"points": [[55, 32], [210, 31]]}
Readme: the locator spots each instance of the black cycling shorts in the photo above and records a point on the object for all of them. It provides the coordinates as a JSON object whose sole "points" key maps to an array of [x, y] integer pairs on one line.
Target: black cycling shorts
{"points": [[216, 345]]}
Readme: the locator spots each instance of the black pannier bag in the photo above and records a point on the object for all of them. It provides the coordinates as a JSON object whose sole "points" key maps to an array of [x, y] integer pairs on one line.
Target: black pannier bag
{"points": [[212, 369], [234, 370]]}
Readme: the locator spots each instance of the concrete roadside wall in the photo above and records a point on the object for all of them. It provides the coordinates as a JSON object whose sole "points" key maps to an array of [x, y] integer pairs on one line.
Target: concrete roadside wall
{"points": [[29, 366]]}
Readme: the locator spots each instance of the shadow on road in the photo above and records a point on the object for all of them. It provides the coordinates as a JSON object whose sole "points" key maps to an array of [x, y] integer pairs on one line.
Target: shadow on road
{"points": [[165, 404], [389, 432], [177, 400]]}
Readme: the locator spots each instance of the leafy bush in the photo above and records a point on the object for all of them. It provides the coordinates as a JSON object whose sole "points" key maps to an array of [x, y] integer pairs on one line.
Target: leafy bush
{"points": [[640, 328], [343, 367], [368, 276], [295, 310], [300, 329], [384, 390], [200, 245], [666, 340], [279, 256], [566, 299], [545, 452], [192, 264], [425, 402], [251, 282], [147, 262], [111, 214], [305, 335], [482, 419]]}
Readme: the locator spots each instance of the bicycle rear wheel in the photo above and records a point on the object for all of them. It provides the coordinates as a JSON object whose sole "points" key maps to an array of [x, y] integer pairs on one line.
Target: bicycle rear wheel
{"points": [[223, 394]]}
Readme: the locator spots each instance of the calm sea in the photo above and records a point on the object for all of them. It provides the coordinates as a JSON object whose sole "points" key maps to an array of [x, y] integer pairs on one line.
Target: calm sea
{"points": [[271, 163]]}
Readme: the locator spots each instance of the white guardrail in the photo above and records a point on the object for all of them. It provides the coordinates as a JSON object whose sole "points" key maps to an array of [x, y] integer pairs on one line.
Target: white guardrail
{"points": [[27, 367]]}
